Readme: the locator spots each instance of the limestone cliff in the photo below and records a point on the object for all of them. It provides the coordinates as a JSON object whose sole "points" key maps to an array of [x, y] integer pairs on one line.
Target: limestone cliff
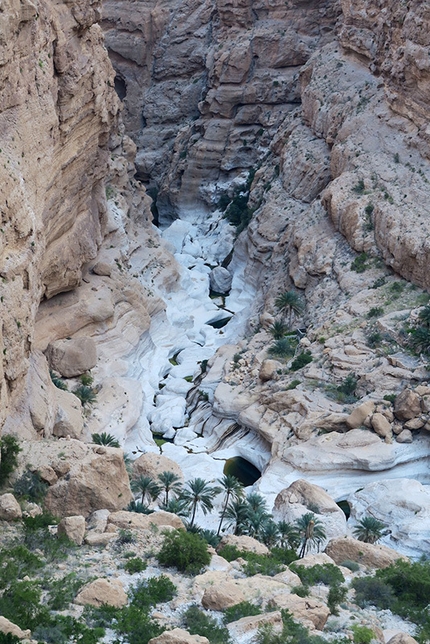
{"points": [[57, 108]]}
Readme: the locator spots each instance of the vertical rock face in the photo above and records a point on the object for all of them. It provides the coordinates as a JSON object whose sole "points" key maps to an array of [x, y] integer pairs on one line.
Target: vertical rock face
{"points": [[205, 83], [57, 107]]}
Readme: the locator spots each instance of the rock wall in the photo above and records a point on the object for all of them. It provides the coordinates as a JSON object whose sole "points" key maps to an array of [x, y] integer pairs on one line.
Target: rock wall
{"points": [[57, 108]]}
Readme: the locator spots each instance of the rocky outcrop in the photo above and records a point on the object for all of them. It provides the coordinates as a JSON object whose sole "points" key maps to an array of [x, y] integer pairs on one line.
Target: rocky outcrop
{"points": [[370, 555], [9, 508], [101, 592], [73, 528]]}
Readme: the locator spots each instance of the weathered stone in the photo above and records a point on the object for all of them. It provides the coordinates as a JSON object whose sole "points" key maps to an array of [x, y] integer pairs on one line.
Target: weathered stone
{"points": [[152, 464], [246, 625], [311, 612], [405, 436], [222, 596], [407, 405], [102, 591], [178, 636], [269, 370], [9, 508], [402, 638], [414, 423], [98, 538], [248, 544], [69, 420], [360, 413], [125, 520], [6, 626], [48, 474], [220, 280], [103, 269], [72, 357], [381, 425], [73, 528], [371, 555]]}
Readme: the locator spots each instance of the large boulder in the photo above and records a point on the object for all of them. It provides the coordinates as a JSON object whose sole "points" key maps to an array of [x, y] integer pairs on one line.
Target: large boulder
{"points": [[127, 520], [359, 414], [402, 638], [407, 405], [101, 592], [73, 528], [311, 612], [220, 280], [96, 481], [152, 465], [72, 357], [7, 626], [178, 636], [248, 544], [269, 370], [247, 625], [220, 597], [9, 508], [370, 555], [69, 420]]}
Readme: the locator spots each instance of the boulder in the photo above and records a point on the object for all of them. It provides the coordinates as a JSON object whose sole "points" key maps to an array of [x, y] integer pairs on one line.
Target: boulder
{"points": [[73, 528], [311, 612], [381, 425], [99, 538], [178, 636], [370, 555], [359, 414], [249, 624], [48, 474], [248, 544], [102, 268], [69, 420], [7, 626], [152, 465], [407, 405], [220, 280], [269, 370], [9, 508], [402, 638], [127, 520], [97, 521], [72, 357], [102, 591], [405, 436], [220, 597], [96, 481]]}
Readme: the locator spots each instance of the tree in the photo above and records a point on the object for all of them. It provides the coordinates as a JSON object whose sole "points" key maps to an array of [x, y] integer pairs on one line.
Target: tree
{"points": [[369, 530], [199, 493], [176, 506], [105, 439], [187, 551], [170, 482], [310, 530], [257, 514], [147, 487], [288, 535], [233, 490], [291, 304], [236, 514], [269, 533], [278, 329], [424, 316]]}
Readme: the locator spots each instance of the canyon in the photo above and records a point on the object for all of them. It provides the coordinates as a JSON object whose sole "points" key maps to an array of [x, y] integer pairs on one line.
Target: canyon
{"points": [[168, 171]]}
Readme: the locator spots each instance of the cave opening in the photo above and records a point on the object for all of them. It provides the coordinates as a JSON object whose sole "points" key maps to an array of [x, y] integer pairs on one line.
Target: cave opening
{"points": [[345, 507], [242, 469], [120, 87]]}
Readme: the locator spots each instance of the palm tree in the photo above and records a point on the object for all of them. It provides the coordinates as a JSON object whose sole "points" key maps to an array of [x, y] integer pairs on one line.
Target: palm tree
{"points": [[289, 303], [310, 530], [199, 493], [278, 329], [176, 506], [170, 482], [105, 439], [147, 487], [256, 521], [369, 530], [236, 514], [233, 490], [270, 533], [420, 339], [424, 316], [288, 535]]}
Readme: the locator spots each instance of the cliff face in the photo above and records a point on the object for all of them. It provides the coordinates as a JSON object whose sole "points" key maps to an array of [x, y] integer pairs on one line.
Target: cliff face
{"points": [[57, 107]]}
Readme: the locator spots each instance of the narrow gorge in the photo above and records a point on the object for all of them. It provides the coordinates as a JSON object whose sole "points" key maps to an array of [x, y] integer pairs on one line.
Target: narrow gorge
{"points": [[214, 246]]}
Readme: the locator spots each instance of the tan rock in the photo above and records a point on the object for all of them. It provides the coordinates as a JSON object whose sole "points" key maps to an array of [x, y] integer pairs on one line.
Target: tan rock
{"points": [[248, 544], [414, 423], [407, 405], [125, 520], [178, 636], [73, 528], [269, 370], [9, 508], [102, 268], [381, 425], [248, 624], [69, 420], [72, 357], [222, 596], [152, 464], [405, 436], [311, 612], [360, 413], [99, 538], [102, 591], [371, 555], [7, 626], [308, 561], [402, 638], [48, 474]]}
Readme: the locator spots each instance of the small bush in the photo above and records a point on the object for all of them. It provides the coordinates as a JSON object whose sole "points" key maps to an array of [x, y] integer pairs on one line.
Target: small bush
{"points": [[336, 595], [125, 537], [135, 626], [198, 623], [301, 591], [293, 384], [105, 439], [86, 379], [135, 564], [374, 591], [153, 591], [185, 551], [375, 312], [86, 395], [362, 634], [30, 487], [360, 263], [243, 609], [301, 361], [328, 574], [390, 398], [353, 566], [359, 187], [283, 348], [9, 450], [63, 591], [57, 381]]}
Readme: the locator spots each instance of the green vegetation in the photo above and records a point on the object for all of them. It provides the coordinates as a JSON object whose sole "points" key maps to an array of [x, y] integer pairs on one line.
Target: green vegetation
{"points": [[359, 187], [185, 551], [198, 493], [328, 574], [105, 439], [146, 487], [9, 450], [375, 312], [278, 329], [30, 487], [301, 361], [244, 609], [290, 304], [86, 395], [369, 530], [135, 564], [292, 633], [283, 348], [360, 263], [153, 591], [236, 209], [269, 565], [198, 623], [86, 379], [57, 381], [362, 634]]}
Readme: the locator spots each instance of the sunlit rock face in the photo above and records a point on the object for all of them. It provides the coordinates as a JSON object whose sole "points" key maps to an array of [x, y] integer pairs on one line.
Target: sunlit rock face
{"points": [[57, 107]]}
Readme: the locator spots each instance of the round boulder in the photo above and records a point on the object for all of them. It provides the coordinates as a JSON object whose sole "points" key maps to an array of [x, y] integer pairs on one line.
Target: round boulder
{"points": [[220, 280], [102, 591], [9, 508], [73, 528], [72, 357], [407, 405]]}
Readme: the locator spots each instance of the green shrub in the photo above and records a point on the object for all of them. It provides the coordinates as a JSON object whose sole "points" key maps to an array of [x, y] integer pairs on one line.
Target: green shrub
{"points": [[57, 381], [135, 564], [410, 583], [135, 626], [105, 439], [374, 591], [391, 398], [125, 537], [63, 591], [8, 638], [353, 566], [293, 384], [86, 395], [21, 603], [86, 379], [359, 187], [362, 634], [185, 551], [243, 609], [301, 591], [328, 574], [31, 524], [31, 487], [230, 553], [336, 595], [15, 563], [283, 348], [301, 361], [375, 312], [9, 450], [360, 263], [152, 591], [198, 623]]}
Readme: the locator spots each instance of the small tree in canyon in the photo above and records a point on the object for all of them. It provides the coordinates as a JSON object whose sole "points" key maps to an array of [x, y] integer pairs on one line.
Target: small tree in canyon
{"points": [[290, 304]]}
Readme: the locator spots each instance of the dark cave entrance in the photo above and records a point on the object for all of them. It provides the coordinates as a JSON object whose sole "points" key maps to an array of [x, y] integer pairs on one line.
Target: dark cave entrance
{"points": [[242, 469], [120, 87], [345, 507]]}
